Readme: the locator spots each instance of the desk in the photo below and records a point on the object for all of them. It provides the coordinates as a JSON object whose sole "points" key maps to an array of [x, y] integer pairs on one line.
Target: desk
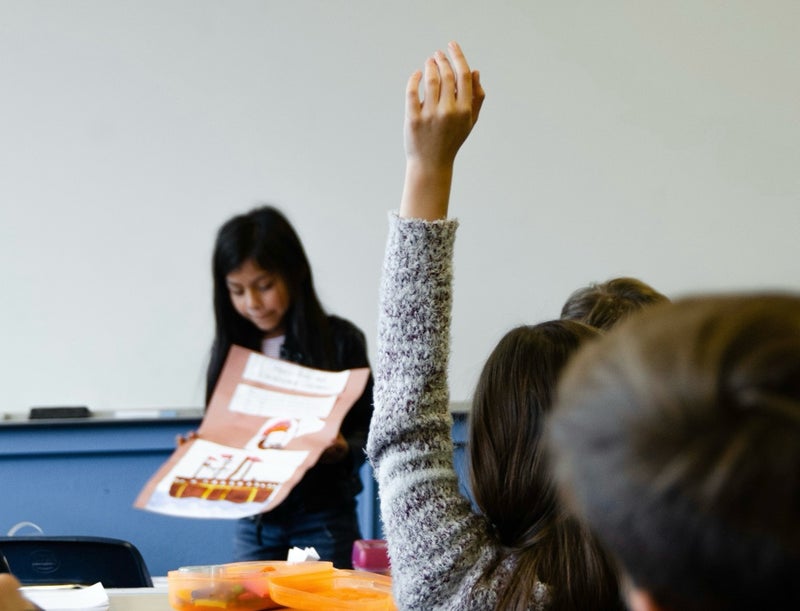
{"points": [[139, 599]]}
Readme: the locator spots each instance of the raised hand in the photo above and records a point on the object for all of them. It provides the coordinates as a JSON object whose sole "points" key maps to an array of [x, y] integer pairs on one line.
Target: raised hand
{"points": [[435, 128]]}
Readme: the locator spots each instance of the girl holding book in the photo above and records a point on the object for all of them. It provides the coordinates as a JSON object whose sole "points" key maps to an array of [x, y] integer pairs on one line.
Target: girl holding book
{"points": [[264, 300]]}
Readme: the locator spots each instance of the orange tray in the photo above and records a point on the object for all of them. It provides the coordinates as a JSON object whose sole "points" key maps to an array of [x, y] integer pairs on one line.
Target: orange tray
{"points": [[337, 590]]}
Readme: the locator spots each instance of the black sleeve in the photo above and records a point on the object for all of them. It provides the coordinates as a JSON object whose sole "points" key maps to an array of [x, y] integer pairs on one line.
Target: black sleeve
{"points": [[351, 349]]}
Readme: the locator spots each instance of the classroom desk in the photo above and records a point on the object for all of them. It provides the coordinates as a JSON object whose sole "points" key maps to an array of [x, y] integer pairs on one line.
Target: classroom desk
{"points": [[155, 598], [139, 599]]}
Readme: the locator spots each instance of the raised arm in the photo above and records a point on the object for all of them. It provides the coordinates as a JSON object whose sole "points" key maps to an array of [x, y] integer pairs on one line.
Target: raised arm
{"points": [[439, 548], [435, 128]]}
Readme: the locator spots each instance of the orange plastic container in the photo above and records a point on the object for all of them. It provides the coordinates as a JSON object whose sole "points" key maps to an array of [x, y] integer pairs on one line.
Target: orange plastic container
{"points": [[238, 586], [338, 590]]}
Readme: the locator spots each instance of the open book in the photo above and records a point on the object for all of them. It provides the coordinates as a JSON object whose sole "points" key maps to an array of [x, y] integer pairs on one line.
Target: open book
{"points": [[267, 423]]}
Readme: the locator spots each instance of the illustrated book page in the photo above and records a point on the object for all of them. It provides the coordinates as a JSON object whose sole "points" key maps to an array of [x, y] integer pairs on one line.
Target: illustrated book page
{"points": [[267, 423]]}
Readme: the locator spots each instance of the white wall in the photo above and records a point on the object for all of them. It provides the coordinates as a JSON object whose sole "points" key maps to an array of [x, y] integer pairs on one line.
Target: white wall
{"points": [[653, 139]]}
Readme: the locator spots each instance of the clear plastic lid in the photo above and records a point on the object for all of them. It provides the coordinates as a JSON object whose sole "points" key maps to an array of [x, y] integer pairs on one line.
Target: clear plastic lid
{"points": [[238, 586]]}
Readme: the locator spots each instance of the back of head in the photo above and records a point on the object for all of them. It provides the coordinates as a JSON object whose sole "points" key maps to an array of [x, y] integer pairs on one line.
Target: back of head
{"points": [[511, 477], [604, 305], [678, 437]]}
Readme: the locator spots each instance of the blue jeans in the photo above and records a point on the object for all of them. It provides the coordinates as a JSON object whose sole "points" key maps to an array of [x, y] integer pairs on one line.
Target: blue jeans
{"points": [[269, 536]]}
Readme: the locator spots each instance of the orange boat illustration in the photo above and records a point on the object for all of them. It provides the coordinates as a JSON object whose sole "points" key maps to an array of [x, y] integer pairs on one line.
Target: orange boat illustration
{"points": [[217, 480]]}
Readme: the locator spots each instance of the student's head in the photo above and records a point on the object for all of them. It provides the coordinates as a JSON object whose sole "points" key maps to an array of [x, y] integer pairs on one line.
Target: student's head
{"points": [[258, 261], [603, 305], [677, 437], [263, 285], [510, 473]]}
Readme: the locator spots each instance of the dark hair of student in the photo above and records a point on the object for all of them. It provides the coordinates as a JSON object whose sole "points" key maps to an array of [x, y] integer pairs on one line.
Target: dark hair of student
{"points": [[511, 480], [265, 236], [677, 436], [603, 305]]}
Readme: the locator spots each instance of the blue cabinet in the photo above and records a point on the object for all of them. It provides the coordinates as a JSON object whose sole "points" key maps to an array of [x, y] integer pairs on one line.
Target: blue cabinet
{"points": [[81, 477]]}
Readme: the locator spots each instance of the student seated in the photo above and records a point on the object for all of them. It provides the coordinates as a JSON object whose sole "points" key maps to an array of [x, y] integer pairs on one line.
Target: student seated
{"points": [[677, 437], [605, 304], [521, 550]]}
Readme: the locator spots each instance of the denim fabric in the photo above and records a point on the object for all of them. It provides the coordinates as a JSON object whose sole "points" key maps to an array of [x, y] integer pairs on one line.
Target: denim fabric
{"points": [[269, 536]]}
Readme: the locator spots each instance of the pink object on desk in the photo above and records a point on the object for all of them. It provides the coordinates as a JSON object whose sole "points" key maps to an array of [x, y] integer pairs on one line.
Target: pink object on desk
{"points": [[371, 555]]}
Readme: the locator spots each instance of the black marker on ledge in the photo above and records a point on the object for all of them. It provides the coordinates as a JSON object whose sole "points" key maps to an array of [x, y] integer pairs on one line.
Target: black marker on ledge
{"points": [[59, 412]]}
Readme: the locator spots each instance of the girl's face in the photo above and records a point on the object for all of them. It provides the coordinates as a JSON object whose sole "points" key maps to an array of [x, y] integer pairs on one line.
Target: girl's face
{"points": [[259, 296]]}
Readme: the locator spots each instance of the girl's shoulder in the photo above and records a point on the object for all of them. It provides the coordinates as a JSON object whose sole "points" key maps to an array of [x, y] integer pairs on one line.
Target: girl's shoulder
{"points": [[349, 342], [342, 327]]}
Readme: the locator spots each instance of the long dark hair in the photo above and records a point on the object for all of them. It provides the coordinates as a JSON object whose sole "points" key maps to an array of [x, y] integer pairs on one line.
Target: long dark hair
{"points": [[265, 236], [511, 476]]}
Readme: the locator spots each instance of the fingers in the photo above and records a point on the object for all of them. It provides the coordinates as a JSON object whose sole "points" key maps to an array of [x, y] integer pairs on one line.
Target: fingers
{"points": [[447, 80], [182, 439], [433, 82], [464, 82], [441, 116], [478, 95], [412, 95]]}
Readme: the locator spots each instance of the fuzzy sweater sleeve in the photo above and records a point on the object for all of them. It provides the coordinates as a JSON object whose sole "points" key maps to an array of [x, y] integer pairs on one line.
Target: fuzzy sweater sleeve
{"points": [[438, 546]]}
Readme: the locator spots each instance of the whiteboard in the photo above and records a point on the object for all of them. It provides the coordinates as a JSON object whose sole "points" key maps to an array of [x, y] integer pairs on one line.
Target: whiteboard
{"points": [[653, 139]]}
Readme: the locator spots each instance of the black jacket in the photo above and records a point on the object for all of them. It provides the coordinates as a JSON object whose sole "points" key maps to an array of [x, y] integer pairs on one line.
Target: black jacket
{"points": [[331, 484]]}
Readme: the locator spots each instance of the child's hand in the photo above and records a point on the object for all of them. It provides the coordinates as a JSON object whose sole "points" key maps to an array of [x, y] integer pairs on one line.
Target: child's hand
{"points": [[336, 451], [435, 128], [10, 597], [190, 436], [438, 125]]}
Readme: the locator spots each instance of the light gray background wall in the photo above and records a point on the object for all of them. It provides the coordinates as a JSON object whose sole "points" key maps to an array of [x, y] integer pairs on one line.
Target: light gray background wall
{"points": [[655, 139]]}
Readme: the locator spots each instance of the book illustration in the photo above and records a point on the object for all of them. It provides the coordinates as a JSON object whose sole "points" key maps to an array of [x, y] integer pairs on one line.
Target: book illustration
{"points": [[213, 480], [279, 432], [267, 423], [219, 479]]}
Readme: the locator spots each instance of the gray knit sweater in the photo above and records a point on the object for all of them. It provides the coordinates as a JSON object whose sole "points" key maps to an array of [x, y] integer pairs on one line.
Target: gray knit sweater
{"points": [[439, 548]]}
